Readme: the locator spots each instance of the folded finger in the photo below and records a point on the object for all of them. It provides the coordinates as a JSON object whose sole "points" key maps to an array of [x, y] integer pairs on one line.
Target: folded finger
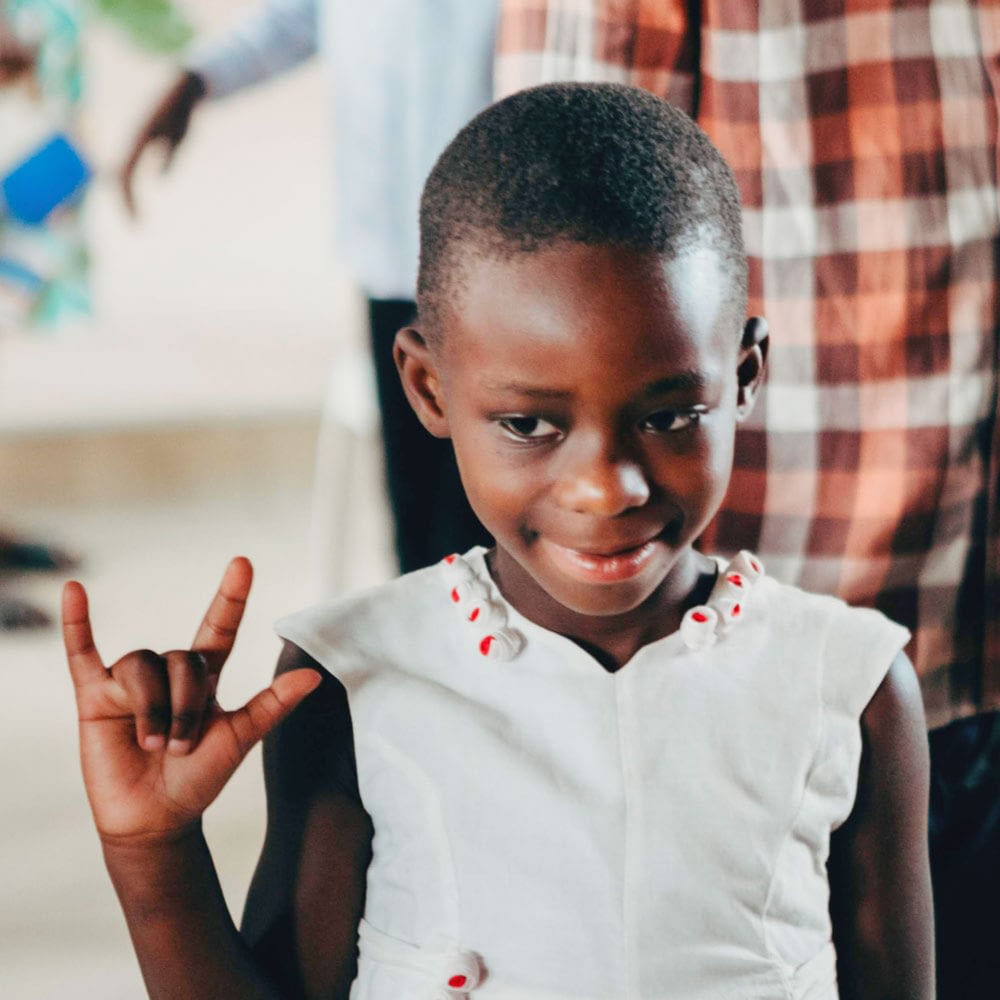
{"points": [[190, 698], [143, 676]]}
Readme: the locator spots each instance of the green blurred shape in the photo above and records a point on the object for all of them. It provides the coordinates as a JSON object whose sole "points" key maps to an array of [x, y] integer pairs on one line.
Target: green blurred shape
{"points": [[156, 25]]}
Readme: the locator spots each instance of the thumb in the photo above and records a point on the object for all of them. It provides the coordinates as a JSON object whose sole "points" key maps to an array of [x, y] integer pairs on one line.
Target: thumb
{"points": [[169, 153], [126, 177], [266, 710]]}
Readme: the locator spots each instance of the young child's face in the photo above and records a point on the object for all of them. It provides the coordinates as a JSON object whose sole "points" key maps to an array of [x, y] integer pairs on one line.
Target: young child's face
{"points": [[592, 395]]}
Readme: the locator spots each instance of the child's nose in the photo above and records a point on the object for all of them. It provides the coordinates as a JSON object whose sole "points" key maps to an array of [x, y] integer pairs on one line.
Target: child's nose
{"points": [[603, 485]]}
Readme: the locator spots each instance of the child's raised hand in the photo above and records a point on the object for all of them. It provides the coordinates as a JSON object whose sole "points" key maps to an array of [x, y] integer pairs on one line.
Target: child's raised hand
{"points": [[155, 747]]}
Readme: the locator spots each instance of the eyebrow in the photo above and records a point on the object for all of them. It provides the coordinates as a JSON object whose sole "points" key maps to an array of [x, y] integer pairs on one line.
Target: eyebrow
{"points": [[681, 382]]}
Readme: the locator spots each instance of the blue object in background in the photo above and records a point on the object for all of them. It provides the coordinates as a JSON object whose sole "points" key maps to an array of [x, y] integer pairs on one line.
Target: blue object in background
{"points": [[18, 275], [48, 178]]}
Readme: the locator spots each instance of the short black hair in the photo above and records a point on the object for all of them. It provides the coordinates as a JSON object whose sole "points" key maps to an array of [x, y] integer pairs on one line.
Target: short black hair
{"points": [[592, 163]]}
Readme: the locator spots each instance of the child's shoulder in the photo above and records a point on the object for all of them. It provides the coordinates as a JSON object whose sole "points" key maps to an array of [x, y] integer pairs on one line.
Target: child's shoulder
{"points": [[796, 607], [405, 619], [853, 646], [743, 585]]}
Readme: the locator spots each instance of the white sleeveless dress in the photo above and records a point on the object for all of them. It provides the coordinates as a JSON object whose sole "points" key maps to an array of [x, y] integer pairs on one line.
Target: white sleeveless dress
{"points": [[546, 830]]}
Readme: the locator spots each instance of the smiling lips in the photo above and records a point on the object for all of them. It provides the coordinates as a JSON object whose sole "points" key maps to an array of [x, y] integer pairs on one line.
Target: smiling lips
{"points": [[594, 567]]}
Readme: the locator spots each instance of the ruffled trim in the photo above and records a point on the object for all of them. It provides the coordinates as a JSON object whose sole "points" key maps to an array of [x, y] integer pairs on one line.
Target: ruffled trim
{"points": [[486, 618], [701, 627], [703, 624]]}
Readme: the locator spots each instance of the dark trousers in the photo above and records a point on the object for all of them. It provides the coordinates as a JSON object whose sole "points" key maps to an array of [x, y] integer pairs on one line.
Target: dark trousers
{"points": [[965, 856], [431, 515]]}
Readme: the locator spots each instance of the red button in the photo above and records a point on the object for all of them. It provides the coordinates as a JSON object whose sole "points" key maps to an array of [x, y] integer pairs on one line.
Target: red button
{"points": [[484, 646], [457, 982], [700, 616], [455, 595]]}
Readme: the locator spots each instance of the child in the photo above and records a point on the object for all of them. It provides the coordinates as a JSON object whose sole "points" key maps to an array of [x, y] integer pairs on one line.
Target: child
{"points": [[590, 763]]}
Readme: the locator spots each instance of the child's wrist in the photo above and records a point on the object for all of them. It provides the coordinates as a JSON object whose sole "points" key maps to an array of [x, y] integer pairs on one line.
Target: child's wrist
{"points": [[149, 843], [153, 872]]}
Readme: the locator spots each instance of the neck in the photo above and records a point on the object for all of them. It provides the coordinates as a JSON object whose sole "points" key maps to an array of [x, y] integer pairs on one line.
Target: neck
{"points": [[613, 640]]}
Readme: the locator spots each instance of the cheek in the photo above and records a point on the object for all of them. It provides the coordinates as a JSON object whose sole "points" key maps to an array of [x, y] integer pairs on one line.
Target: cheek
{"points": [[718, 465], [699, 474], [498, 488]]}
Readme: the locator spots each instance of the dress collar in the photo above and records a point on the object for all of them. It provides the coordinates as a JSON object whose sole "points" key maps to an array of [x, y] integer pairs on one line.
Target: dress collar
{"points": [[487, 615]]}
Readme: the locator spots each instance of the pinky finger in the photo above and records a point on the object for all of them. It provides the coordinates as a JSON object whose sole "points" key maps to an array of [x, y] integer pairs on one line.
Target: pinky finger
{"points": [[85, 662]]}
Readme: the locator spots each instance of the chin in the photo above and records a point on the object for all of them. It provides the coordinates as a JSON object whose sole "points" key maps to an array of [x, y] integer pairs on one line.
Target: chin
{"points": [[603, 600]]}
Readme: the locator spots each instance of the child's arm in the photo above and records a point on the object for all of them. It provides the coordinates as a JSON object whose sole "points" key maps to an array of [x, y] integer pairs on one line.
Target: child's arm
{"points": [[156, 750], [307, 896], [883, 917]]}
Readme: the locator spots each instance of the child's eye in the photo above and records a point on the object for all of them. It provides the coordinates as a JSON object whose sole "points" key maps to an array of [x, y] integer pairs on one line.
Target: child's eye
{"points": [[527, 428], [668, 421]]}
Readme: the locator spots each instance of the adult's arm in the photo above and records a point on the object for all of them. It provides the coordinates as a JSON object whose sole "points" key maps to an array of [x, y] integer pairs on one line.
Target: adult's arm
{"points": [[881, 903], [307, 895], [280, 35]]}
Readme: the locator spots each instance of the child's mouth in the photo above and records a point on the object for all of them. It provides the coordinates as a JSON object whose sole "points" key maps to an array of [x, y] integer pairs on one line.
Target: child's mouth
{"points": [[596, 567]]}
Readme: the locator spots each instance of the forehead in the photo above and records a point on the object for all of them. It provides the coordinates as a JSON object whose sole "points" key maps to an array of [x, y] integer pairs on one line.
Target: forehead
{"points": [[594, 311]]}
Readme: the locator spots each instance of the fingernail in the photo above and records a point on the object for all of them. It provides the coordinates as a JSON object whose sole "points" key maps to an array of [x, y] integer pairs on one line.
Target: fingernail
{"points": [[178, 747], [154, 743]]}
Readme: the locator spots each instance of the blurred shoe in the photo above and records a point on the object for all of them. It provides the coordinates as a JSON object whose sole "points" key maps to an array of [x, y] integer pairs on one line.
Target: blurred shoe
{"points": [[18, 554], [17, 615]]}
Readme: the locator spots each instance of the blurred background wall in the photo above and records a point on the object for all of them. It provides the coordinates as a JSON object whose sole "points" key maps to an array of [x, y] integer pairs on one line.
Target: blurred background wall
{"points": [[174, 428]]}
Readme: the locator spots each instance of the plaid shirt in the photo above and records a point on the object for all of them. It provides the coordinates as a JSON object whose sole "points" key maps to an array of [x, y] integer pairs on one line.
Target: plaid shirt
{"points": [[863, 136]]}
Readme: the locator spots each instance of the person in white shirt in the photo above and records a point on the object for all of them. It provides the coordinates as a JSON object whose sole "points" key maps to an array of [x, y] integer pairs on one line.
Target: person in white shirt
{"points": [[404, 76]]}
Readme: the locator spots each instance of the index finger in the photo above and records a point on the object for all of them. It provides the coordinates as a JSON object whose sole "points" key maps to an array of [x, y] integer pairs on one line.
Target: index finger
{"points": [[217, 632], [85, 663], [125, 178]]}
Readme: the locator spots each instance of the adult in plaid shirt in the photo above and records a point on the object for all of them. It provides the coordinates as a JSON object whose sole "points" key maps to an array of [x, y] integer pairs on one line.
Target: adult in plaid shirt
{"points": [[864, 139]]}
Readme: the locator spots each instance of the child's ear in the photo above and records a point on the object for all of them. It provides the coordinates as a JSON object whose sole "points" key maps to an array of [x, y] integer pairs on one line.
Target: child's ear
{"points": [[752, 361], [421, 382]]}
